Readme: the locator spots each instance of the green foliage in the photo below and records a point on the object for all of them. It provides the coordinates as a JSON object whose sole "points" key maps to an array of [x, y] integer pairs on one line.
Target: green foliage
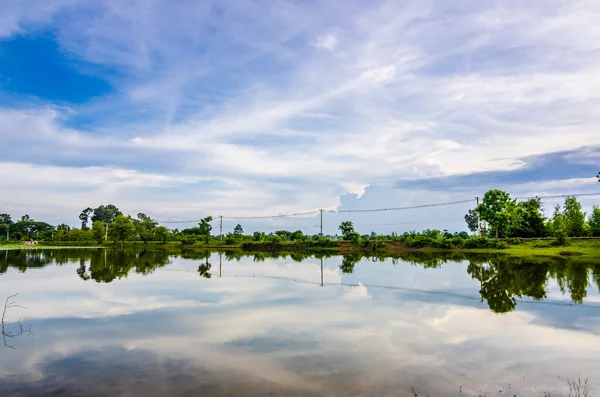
{"points": [[230, 238], [495, 210], [273, 238], [161, 233], [78, 235], [574, 218], [144, 227], [297, 236], [107, 214], [561, 237], [471, 219], [84, 217], [29, 229], [121, 229], [526, 220], [258, 236], [205, 227], [594, 222], [238, 230], [483, 243], [98, 231], [347, 229], [283, 234]]}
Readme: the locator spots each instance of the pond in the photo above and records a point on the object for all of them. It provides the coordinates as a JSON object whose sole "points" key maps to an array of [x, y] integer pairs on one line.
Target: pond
{"points": [[97, 322]]}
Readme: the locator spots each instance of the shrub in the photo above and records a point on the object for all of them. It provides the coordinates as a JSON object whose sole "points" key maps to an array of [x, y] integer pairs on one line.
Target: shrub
{"points": [[513, 241]]}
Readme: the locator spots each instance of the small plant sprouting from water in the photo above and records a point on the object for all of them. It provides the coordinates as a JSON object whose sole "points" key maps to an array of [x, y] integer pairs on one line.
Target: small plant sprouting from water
{"points": [[577, 388]]}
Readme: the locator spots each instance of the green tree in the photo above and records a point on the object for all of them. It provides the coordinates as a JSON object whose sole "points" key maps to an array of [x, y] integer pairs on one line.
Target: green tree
{"points": [[144, 227], [205, 227], [238, 231], [98, 231], [495, 209], [297, 235], [347, 229], [526, 220], [5, 222], [84, 217], [283, 234], [78, 235], [594, 221], [574, 217], [121, 228], [472, 220], [161, 233], [106, 214]]}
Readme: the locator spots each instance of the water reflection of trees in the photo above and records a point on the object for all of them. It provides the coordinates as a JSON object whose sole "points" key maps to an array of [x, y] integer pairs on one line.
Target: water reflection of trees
{"points": [[503, 279]]}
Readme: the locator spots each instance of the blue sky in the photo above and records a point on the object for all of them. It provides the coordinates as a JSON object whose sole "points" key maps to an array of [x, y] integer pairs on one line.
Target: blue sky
{"points": [[182, 109]]}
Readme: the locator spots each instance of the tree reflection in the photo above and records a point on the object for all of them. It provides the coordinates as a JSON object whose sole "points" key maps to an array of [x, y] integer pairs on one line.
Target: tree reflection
{"points": [[503, 279]]}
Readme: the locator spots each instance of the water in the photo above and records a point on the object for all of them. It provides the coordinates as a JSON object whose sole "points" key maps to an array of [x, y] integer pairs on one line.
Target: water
{"points": [[166, 323]]}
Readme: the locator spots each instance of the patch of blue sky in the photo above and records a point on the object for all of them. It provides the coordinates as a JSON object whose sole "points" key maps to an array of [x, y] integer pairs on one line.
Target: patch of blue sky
{"points": [[35, 65]]}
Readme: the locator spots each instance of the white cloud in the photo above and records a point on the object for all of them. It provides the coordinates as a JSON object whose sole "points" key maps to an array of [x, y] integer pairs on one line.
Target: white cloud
{"points": [[327, 42], [415, 90]]}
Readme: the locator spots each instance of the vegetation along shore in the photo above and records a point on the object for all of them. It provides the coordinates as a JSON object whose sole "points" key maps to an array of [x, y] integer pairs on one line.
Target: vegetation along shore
{"points": [[499, 223]]}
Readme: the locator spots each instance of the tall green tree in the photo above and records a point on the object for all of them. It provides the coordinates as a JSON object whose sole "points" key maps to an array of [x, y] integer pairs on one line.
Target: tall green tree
{"points": [[84, 217], [144, 227], [98, 231], [594, 221], [347, 228], [574, 218], [471, 218], [205, 227], [106, 214], [526, 219], [121, 228], [495, 209]]}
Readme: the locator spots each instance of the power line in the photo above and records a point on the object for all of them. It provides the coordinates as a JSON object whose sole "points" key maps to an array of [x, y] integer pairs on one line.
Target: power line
{"points": [[559, 196], [406, 208], [377, 209]]}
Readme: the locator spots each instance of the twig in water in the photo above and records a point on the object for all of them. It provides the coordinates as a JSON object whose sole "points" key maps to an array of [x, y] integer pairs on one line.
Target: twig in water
{"points": [[8, 304]]}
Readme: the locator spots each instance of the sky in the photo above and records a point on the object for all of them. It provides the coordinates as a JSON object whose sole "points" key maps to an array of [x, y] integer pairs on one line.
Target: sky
{"points": [[183, 109]]}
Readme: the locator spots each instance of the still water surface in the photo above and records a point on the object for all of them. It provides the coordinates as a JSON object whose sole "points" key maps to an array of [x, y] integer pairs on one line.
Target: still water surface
{"points": [[167, 323]]}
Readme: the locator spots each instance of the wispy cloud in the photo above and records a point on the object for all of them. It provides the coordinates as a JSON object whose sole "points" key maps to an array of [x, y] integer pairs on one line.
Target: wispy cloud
{"points": [[299, 105]]}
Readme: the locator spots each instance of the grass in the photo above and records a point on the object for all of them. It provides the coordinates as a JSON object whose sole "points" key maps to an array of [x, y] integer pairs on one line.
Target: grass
{"points": [[585, 249]]}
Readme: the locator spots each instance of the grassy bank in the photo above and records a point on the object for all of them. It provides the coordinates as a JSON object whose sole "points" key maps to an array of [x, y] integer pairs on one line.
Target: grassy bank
{"points": [[574, 247]]}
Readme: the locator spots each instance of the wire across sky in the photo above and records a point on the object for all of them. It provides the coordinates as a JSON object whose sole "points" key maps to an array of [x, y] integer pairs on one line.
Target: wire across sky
{"points": [[315, 212]]}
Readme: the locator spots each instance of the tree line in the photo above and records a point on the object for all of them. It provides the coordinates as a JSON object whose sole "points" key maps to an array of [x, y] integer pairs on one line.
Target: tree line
{"points": [[497, 216], [501, 216]]}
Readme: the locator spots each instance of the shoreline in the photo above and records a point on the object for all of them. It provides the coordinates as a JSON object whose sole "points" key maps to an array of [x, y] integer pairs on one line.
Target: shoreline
{"points": [[579, 248]]}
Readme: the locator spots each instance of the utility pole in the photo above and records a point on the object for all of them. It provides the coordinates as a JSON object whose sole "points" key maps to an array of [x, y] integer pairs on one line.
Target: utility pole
{"points": [[478, 220], [106, 233], [221, 227], [321, 222]]}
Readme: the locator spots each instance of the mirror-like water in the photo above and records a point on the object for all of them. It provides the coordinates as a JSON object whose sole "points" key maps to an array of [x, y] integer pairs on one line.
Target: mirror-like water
{"points": [[158, 322]]}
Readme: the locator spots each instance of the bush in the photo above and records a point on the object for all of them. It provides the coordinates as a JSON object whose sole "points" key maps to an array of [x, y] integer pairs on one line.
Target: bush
{"points": [[482, 243], [230, 239], [513, 241], [561, 238]]}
